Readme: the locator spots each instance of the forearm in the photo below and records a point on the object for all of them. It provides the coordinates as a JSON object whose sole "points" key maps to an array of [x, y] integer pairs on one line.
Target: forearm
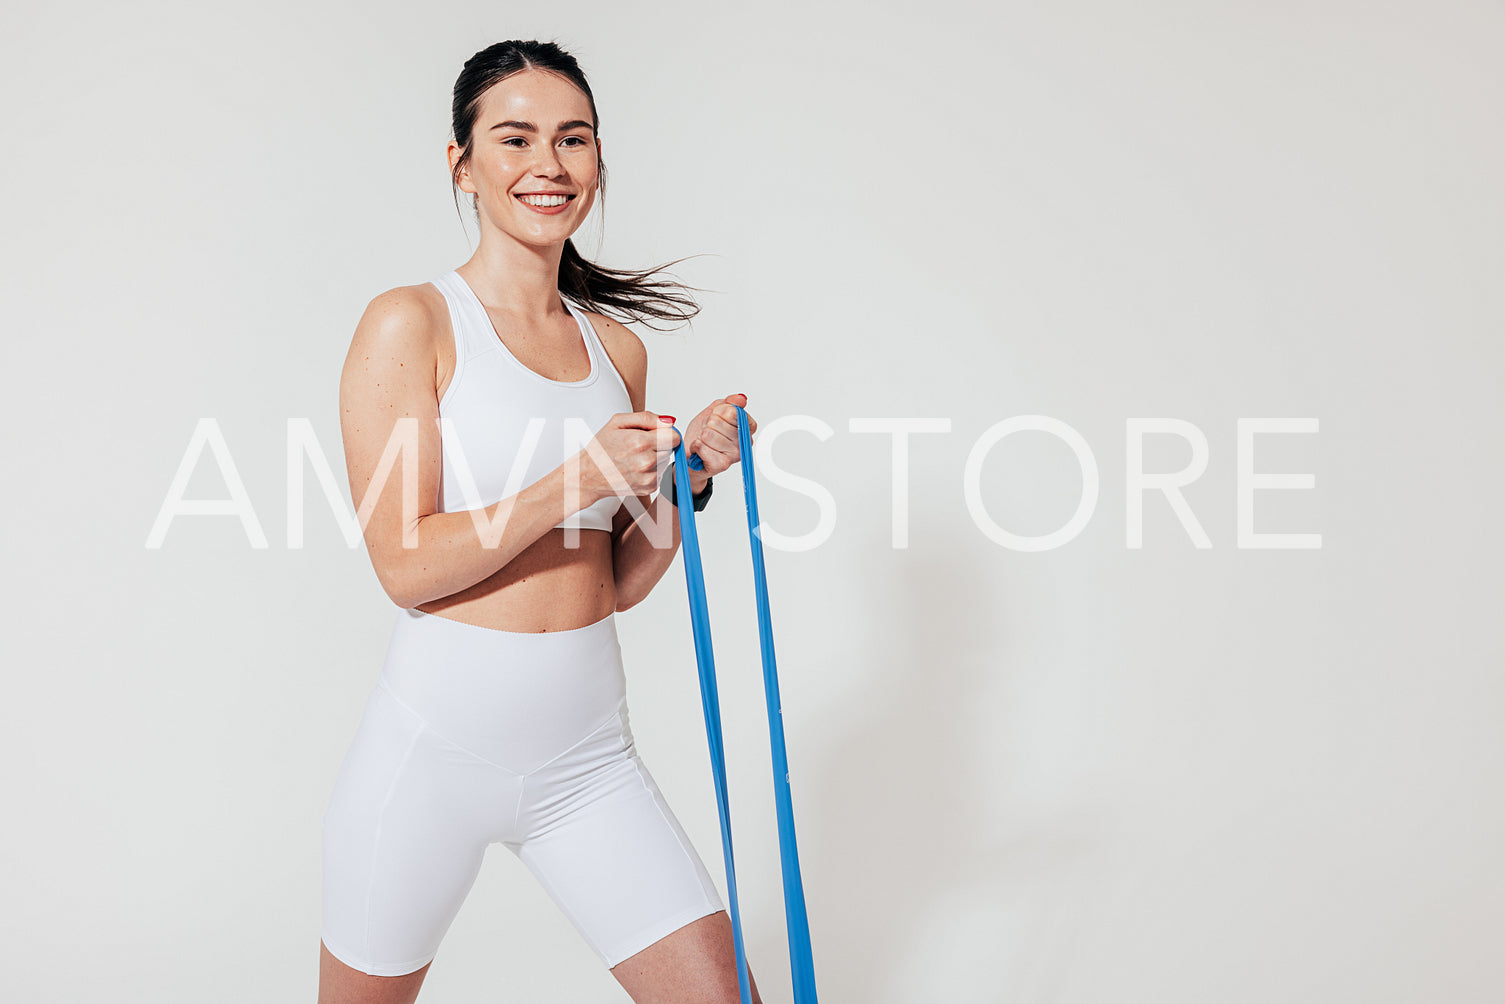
{"points": [[454, 550], [637, 563]]}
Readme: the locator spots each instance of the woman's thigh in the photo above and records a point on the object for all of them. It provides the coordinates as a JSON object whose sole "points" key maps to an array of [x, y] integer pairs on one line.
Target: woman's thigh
{"points": [[599, 836], [404, 834]]}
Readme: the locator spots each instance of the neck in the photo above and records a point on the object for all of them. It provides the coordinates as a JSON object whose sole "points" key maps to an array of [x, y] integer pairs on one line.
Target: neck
{"points": [[516, 280]]}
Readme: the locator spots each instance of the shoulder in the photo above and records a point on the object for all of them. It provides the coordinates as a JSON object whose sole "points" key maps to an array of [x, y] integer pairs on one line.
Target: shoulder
{"points": [[627, 352], [399, 329], [618, 338], [403, 314]]}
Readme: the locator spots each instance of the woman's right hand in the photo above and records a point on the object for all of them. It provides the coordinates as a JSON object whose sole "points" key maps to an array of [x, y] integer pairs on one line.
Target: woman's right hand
{"points": [[637, 446]]}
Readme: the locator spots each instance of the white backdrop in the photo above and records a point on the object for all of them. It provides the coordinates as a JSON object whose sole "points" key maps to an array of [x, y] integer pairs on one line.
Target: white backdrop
{"points": [[1093, 774]]}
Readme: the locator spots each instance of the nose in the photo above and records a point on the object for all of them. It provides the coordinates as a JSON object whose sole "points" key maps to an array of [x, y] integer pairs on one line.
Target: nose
{"points": [[546, 162]]}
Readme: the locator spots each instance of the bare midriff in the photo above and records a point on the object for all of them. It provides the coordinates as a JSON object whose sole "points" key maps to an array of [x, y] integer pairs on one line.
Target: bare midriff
{"points": [[548, 587]]}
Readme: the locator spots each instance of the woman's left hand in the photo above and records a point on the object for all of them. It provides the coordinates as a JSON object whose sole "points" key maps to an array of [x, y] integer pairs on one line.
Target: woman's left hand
{"points": [[713, 434]]}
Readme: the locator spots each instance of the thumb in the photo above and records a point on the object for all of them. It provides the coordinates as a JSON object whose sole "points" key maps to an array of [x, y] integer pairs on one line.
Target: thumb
{"points": [[639, 420]]}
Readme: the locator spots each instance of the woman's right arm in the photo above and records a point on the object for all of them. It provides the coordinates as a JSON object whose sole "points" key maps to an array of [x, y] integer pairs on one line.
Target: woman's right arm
{"points": [[387, 402]]}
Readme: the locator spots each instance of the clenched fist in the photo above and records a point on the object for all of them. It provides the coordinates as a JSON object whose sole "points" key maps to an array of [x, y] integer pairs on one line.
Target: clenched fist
{"points": [[634, 448], [713, 434]]}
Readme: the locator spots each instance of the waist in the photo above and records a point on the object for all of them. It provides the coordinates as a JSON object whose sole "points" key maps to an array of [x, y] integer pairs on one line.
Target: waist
{"points": [[511, 697]]}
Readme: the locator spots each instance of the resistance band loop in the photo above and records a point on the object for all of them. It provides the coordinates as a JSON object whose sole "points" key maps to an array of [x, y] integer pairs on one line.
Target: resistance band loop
{"points": [[801, 965]]}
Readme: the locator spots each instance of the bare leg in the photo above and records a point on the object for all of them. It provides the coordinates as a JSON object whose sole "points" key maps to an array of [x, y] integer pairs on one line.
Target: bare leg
{"points": [[697, 964], [339, 984]]}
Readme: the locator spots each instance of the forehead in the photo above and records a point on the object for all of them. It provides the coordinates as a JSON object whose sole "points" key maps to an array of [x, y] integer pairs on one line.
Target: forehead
{"points": [[536, 96]]}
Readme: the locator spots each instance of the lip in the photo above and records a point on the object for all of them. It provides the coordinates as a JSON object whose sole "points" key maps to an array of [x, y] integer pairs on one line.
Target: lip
{"points": [[546, 210]]}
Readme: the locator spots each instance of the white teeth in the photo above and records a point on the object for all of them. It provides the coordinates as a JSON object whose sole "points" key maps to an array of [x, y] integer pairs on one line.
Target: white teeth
{"points": [[545, 200]]}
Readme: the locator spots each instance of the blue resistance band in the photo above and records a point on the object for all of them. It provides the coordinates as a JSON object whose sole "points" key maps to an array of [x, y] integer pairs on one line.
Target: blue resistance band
{"points": [[801, 965]]}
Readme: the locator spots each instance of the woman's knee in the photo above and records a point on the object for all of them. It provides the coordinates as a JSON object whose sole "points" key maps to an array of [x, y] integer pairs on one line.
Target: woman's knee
{"points": [[697, 964], [341, 984]]}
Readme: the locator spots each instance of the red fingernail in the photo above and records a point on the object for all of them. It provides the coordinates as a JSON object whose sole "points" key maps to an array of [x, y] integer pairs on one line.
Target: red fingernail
{"points": [[666, 418]]}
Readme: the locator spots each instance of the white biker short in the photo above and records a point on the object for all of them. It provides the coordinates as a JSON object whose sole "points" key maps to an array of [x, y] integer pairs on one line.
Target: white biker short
{"points": [[474, 736]]}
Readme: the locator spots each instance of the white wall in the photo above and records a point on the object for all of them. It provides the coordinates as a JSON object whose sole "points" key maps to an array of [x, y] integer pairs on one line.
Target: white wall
{"points": [[1093, 774]]}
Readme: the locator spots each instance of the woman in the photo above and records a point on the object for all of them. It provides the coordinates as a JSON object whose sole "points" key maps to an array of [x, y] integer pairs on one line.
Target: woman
{"points": [[500, 714]]}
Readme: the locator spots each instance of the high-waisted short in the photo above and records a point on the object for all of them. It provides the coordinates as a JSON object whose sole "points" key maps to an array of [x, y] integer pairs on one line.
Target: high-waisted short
{"points": [[474, 736]]}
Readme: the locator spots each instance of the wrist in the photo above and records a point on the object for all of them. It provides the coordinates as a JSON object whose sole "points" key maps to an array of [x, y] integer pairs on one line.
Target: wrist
{"points": [[700, 489]]}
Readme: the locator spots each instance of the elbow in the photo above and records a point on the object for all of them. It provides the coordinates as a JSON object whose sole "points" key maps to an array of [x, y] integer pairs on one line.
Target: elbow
{"points": [[399, 587], [625, 600], [400, 566], [404, 599]]}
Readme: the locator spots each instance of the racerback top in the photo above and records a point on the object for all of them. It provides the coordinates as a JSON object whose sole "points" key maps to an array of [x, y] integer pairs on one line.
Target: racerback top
{"points": [[504, 426]]}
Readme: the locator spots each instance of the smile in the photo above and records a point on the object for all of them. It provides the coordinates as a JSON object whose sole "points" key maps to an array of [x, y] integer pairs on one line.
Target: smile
{"points": [[548, 204]]}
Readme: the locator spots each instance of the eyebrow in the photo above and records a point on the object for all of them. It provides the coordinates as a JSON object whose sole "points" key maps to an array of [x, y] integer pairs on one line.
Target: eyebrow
{"points": [[530, 127]]}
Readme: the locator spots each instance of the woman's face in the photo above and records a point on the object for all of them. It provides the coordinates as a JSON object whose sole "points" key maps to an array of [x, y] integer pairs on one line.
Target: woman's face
{"points": [[532, 135]]}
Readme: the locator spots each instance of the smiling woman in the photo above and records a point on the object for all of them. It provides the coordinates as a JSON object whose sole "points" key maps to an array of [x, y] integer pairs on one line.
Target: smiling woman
{"points": [[500, 713], [496, 135]]}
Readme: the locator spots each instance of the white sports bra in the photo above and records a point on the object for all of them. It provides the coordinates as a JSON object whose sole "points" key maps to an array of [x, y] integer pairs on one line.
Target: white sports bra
{"points": [[504, 426]]}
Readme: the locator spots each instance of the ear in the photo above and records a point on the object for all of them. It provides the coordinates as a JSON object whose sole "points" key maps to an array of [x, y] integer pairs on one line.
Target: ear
{"points": [[452, 154]]}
